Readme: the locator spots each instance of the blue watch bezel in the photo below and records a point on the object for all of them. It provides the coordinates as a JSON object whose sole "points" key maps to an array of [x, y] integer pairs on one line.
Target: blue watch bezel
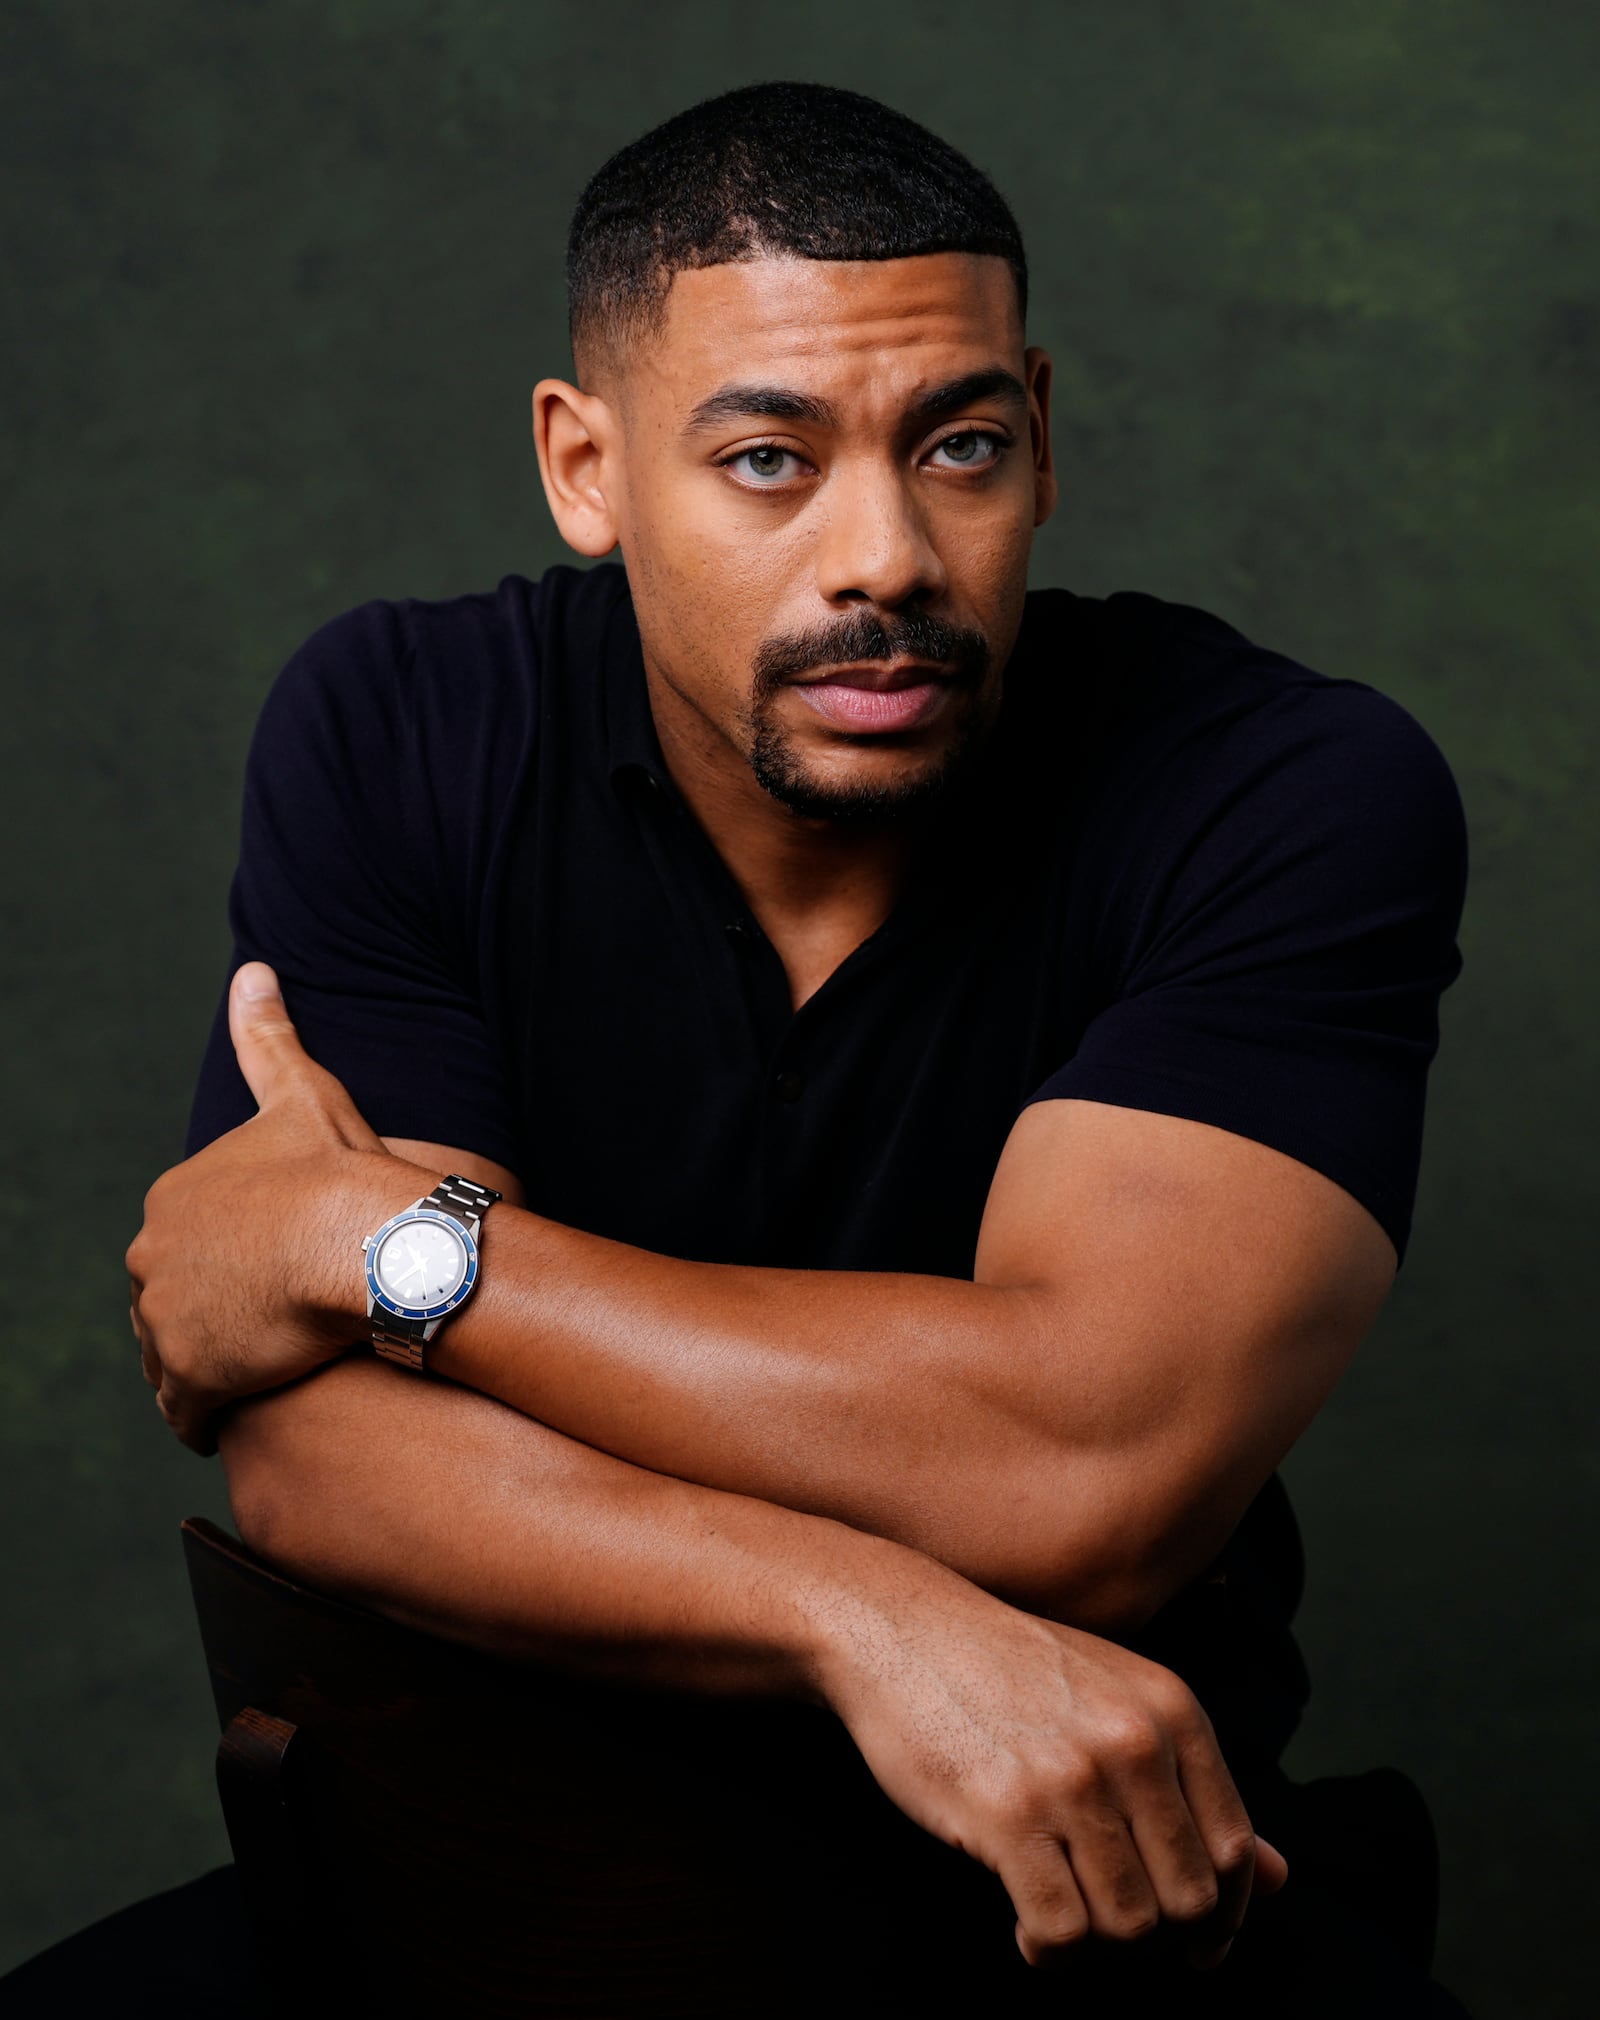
{"points": [[381, 1297]]}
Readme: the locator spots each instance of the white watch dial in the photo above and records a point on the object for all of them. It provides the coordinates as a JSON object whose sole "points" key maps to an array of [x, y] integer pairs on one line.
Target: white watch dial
{"points": [[422, 1263]]}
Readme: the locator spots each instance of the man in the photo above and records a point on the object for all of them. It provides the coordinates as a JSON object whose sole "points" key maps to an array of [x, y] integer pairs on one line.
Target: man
{"points": [[950, 1058]]}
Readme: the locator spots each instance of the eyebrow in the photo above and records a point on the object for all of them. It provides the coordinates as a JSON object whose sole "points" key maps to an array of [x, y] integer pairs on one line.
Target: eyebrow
{"points": [[784, 403], [993, 383], [770, 403]]}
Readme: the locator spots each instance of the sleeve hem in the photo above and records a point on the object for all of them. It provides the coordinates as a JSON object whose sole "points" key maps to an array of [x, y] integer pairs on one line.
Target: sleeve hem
{"points": [[1197, 1101], [417, 1126]]}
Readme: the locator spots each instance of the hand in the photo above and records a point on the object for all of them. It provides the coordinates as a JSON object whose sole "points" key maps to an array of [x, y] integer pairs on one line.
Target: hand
{"points": [[247, 1272], [1088, 1778]]}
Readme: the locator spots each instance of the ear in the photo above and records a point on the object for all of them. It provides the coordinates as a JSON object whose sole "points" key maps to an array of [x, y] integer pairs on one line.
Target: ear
{"points": [[1037, 365], [578, 441]]}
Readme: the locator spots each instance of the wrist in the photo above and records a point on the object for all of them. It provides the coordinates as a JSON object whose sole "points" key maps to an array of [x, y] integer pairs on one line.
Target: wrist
{"points": [[871, 1595], [367, 1188]]}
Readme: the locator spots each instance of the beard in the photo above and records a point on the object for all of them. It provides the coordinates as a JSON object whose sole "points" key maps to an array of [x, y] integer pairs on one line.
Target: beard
{"points": [[861, 637]]}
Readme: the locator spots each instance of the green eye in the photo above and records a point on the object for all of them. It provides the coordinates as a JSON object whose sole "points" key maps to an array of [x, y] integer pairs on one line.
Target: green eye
{"points": [[970, 449], [766, 461]]}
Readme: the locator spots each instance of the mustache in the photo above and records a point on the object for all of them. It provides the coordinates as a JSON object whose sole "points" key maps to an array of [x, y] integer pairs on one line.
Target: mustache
{"points": [[861, 636]]}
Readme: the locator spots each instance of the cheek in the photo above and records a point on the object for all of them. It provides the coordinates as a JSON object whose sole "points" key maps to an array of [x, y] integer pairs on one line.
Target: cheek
{"points": [[985, 553], [667, 543], [700, 608], [716, 550], [700, 576]]}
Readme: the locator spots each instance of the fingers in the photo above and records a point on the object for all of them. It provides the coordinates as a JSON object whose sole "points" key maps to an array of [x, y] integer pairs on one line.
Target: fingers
{"points": [[1121, 1866], [1111, 1877], [1230, 1843], [190, 1418], [149, 1360], [1051, 1915], [1112, 1880], [1182, 1875], [1164, 1843]]}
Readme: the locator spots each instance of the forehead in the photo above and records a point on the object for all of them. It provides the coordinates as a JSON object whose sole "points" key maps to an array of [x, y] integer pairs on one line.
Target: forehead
{"points": [[867, 324]]}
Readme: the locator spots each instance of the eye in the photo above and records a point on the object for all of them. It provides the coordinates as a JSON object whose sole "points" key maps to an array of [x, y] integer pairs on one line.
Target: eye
{"points": [[970, 449], [765, 464]]}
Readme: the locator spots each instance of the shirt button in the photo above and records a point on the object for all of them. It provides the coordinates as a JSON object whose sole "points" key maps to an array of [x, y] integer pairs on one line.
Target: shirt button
{"points": [[788, 1085], [740, 937]]}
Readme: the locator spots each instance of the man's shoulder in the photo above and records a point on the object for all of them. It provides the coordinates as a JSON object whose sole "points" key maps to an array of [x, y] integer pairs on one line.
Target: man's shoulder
{"points": [[1145, 684], [1182, 741], [1152, 656], [478, 643], [451, 689]]}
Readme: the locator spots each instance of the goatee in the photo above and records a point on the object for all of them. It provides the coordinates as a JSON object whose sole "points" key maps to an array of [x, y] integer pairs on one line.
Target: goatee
{"points": [[857, 639]]}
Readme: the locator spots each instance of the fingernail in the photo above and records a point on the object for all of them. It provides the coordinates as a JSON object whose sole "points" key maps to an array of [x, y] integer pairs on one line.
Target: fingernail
{"points": [[257, 983]]}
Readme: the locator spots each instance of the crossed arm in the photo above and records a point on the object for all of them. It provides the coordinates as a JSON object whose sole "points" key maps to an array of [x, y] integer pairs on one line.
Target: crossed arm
{"points": [[714, 1457], [1158, 1309]]}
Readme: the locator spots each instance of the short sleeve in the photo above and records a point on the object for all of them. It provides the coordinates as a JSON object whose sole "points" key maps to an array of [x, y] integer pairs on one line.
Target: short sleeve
{"points": [[348, 884], [1283, 948]]}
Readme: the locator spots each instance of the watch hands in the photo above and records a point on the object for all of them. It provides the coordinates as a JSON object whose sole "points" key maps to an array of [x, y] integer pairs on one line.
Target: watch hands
{"points": [[417, 1266]]}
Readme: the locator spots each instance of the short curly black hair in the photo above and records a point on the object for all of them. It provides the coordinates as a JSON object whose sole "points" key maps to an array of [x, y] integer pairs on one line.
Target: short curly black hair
{"points": [[804, 169]]}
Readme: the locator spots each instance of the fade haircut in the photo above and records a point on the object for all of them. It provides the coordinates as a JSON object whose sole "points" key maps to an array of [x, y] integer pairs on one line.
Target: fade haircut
{"points": [[770, 169]]}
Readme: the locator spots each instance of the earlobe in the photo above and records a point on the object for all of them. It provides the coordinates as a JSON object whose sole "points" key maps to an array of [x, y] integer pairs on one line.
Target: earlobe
{"points": [[573, 433]]}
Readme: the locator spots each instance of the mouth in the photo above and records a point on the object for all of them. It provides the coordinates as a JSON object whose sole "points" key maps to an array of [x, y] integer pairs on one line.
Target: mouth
{"points": [[880, 696], [878, 677]]}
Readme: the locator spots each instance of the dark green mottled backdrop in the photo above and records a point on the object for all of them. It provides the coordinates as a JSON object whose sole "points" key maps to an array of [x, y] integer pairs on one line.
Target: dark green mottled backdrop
{"points": [[1323, 285]]}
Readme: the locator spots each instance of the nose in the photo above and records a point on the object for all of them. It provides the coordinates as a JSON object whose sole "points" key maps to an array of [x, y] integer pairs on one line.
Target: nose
{"points": [[874, 545]]}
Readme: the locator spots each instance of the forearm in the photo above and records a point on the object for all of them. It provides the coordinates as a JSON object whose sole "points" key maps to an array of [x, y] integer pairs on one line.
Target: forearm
{"points": [[453, 1513], [1061, 1428], [902, 1404]]}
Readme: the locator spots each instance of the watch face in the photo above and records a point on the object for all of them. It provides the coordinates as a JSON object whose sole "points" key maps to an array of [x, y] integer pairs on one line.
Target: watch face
{"points": [[421, 1263]]}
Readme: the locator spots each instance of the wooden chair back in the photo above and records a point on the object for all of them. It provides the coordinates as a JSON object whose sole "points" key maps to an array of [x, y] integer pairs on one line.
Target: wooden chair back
{"points": [[421, 1826]]}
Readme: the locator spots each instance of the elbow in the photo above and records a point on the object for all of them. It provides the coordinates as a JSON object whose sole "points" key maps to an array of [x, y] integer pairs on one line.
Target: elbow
{"points": [[1102, 1594], [1123, 1601], [257, 1492], [1108, 1570]]}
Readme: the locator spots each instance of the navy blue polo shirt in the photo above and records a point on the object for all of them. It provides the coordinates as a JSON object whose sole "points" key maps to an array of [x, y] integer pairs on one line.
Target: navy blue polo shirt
{"points": [[1183, 873]]}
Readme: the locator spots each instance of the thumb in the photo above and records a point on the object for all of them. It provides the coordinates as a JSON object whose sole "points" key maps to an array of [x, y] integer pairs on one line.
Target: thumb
{"points": [[265, 1043]]}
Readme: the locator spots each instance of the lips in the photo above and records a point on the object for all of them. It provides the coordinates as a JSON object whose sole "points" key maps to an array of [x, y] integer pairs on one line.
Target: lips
{"points": [[878, 697], [879, 675]]}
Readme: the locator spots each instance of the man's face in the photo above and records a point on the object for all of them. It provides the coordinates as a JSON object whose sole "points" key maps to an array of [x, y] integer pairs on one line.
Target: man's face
{"points": [[825, 488]]}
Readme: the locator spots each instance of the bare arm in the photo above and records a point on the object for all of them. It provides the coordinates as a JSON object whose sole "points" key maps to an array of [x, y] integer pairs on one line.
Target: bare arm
{"points": [[1159, 1307], [454, 1514]]}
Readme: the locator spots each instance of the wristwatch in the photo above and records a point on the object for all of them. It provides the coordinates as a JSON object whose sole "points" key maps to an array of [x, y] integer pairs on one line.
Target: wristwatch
{"points": [[422, 1266]]}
